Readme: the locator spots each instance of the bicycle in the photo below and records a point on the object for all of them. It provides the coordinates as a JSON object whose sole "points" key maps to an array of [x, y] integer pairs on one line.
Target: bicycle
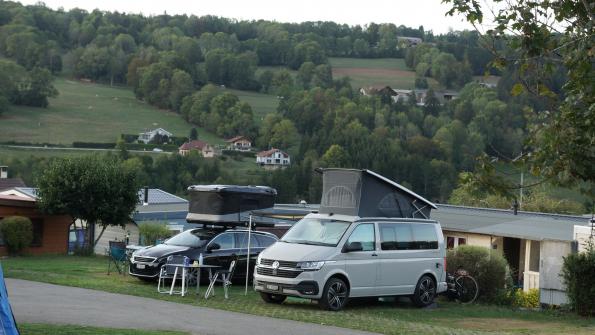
{"points": [[462, 287]]}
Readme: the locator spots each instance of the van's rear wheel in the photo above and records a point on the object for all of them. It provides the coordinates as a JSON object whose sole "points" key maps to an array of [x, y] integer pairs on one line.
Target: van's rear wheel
{"points": [[335, 295], [272, 298], [425, 291]]}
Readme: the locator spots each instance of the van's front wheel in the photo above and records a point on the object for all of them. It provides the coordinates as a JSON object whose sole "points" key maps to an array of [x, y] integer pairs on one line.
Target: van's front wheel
{"points": [[425, 291], [272, 298], [335, 295]]}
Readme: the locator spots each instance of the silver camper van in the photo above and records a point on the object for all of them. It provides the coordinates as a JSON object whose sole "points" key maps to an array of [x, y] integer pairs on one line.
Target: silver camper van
{"points": [[371, 238]]}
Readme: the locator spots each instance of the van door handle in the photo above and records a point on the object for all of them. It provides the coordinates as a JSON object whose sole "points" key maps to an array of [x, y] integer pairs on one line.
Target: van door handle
{"points": [[374, 254]]}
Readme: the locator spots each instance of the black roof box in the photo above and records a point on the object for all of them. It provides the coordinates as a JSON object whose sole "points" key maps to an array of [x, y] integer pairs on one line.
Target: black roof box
{"points": [[227, 204], [365, 193]]}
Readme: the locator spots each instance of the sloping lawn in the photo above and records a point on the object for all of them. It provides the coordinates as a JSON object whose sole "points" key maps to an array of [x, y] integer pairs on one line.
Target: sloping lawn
{"points": [[90, 112], [388, 317], [46, 329]]}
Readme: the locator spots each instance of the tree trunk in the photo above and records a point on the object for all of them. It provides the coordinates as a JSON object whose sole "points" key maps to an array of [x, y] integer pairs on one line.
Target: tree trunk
{"points": [[99, 237]]}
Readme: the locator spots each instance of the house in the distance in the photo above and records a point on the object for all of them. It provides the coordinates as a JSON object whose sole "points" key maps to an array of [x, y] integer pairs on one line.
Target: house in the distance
{"points": [[149, 135], [409, 41], [203, 147], [240, 143], [8, 183], [273, 159]]}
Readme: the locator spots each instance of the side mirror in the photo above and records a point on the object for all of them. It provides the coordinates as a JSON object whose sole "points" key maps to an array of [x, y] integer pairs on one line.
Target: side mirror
{"points": [[353, 246], [213, 246]]}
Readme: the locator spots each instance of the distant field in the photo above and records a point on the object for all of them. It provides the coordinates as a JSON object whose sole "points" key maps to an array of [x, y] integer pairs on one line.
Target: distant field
{"points": [[90, 113], [8, 152], [375, 72], [262, 104]]}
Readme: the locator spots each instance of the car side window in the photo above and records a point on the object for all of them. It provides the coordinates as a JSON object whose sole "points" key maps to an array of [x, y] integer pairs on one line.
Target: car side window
{"points": [[364, 234], [395, 236], [265, 241], [225, 240], [242, 241]]}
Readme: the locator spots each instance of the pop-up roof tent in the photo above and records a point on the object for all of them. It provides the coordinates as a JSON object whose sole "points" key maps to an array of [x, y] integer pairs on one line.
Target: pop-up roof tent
{"points": [[227, 205], [365, 193]]}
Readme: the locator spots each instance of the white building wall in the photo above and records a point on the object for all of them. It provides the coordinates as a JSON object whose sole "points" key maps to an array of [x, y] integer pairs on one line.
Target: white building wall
{"points": [[551, 289]]}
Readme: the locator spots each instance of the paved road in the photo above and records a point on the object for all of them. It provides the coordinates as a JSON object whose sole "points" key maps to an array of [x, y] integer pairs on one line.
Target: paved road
{"points": [[35, 302], [80, 149]]}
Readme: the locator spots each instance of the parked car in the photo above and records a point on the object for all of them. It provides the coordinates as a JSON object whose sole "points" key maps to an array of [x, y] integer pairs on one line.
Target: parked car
{"points": [[331, 258], [218, 247]]}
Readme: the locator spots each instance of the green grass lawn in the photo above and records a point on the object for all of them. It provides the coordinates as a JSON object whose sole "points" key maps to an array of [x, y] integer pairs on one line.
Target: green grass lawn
{"points": [[388, 317], [11, 152], [90, 113], [262, 104], [50, 329], [375, 72]]}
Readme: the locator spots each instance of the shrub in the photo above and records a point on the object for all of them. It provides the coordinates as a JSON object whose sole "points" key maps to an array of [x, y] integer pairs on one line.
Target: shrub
{"points": [[577, 274], [488, 268], [529, 299], [17, 232], [151, 231]]}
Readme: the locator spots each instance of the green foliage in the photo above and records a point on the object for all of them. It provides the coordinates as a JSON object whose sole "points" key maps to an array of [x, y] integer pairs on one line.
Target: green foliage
{"points": [[17, 233], [21, 87], [577, 274], [94, 189], [561, 131], [152, 231], [488, 268], [529, 299]]}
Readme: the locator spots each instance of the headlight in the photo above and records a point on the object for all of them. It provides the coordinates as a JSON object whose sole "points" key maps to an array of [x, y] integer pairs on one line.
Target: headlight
{"points": [[310, 266], [258, 259]]}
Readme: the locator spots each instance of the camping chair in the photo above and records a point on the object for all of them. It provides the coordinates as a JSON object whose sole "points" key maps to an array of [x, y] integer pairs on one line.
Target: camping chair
{"points": [[117, 256], [168, 271], [225, 279]]}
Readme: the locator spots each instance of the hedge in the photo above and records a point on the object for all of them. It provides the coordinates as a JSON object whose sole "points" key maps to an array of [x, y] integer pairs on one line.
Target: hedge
{"points": [[93, 145], [489, 268], [17, 232], [578, 274]]}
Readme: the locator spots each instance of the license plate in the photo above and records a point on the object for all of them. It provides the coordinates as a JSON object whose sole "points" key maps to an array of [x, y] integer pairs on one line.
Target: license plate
{"points": [[140, 266], [272, 287]]}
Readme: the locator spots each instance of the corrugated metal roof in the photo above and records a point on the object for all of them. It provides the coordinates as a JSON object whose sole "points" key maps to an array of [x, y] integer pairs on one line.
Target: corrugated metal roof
{"points": [[497, 222]]}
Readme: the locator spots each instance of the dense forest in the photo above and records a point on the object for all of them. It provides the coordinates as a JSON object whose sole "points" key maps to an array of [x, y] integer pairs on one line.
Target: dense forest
{"points": [[176, 62]]}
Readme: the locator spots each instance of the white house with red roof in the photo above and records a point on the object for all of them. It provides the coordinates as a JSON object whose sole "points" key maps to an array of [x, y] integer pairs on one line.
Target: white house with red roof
{"points": [[203, 147], [273, 158]]}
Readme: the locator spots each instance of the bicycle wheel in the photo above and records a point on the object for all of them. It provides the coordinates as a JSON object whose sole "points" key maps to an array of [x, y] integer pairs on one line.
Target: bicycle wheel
{"points": [[467, 289]]}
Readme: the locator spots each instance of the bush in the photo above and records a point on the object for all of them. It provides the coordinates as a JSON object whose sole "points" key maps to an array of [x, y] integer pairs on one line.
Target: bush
{"points": [[151, 231], [93, 145], [529, 299], [577, 274], [489, 268], [17, 232]]}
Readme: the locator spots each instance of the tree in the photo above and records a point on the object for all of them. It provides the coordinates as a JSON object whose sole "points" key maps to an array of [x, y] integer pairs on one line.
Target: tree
{"points": [[193, 134], [181, 86], [335, 157], [546, 35], [98, 190]]}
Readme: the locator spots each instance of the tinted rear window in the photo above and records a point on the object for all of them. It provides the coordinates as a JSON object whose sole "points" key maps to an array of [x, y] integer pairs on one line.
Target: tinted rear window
{"points": [[407, 236]]}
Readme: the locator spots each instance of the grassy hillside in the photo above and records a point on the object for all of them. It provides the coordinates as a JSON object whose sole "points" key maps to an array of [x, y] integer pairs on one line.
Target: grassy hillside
{"points": [[91, 113], [262, 104], [375, 72]]}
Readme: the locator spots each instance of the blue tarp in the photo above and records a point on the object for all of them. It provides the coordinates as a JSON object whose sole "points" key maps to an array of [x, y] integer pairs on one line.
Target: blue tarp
{"points": [[7, 323]]}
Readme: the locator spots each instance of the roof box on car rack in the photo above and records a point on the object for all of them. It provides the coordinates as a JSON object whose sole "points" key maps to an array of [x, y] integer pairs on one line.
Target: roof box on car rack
{"points": [[227, 205]]}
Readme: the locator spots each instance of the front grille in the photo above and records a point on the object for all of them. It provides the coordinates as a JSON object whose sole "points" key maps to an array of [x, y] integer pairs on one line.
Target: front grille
{"points": [[282, 264], [148, 271], [143, 259], [279, 273]]}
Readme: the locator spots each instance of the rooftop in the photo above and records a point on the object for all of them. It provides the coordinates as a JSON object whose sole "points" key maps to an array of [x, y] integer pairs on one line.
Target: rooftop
{"points": [[157, 196], [8, 183]]}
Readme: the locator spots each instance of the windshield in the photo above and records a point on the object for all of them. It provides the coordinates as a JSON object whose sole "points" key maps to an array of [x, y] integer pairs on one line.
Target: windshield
{"points": [[317, 232], [191, 238]]}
